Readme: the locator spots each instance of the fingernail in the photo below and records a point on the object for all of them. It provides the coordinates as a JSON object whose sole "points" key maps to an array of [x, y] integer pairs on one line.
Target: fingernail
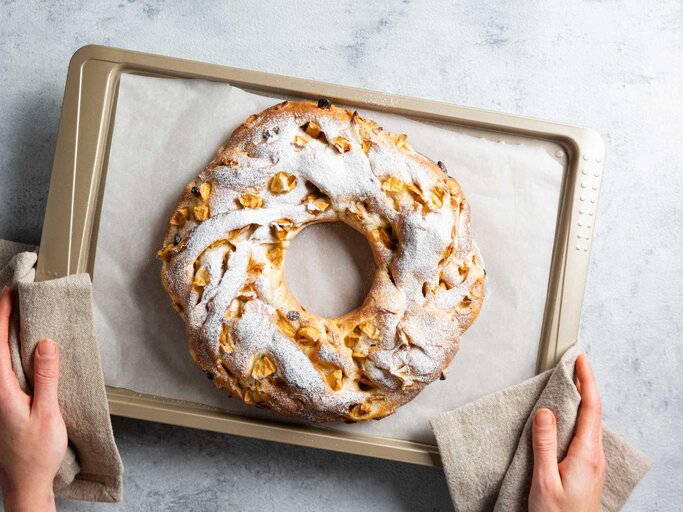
{"points": [[47, 348], [4, 289], [544, 418]]}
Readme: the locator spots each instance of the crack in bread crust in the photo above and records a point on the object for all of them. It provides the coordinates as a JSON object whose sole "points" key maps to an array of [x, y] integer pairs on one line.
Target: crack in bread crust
{"points": [[290, 166]]}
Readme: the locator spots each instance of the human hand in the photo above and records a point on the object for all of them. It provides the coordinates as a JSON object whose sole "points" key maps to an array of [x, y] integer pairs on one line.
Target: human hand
{"points": [[32, 432], [576, 483]]}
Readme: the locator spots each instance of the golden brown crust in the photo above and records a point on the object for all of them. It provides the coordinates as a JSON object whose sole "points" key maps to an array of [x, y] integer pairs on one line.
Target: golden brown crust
{"points": [[361, 365]]}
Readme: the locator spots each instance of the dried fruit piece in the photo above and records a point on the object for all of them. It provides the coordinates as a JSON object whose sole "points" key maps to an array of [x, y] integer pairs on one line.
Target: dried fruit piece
{"points": [[315, 204], [263, 367], [201, 212], [394, 185], [224, 340], [334, 380], [300, 142], [452, 186], [204, 190], [352, 338], [415, 189], [195, 190], [401, 141], [447, 253], [416, 193], [341, 144], [217, 243], [282, 183], [281, 228], [180, 216], [247, 293], [370, 330], [202, 277], [464, 305], [436, 200], [382, 235], [250, 201], [177, 239], [236, 307], [320, 205], [236, 234], [255, 266], [360, 410], [309, 333], [276, 256], [286, 328], [366, 144], [163, 254], [293, 315], [476, 291], [312, 129], [324, 103], [358, 211]]}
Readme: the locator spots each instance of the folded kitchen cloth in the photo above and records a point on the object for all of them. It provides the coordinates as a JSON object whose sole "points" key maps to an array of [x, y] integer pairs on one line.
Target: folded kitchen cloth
{"points": [[61, 309], [486, 448]]}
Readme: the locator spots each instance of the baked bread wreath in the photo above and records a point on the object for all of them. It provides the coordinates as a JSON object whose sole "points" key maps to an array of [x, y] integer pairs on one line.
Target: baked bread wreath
{"points": [[293, 165]]}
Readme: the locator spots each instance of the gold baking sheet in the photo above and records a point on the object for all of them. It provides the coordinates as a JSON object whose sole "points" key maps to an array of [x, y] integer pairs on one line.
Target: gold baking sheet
{"points": [[69, 235]]}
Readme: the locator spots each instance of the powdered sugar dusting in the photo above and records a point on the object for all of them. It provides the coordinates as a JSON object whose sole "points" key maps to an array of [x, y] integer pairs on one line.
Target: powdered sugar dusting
{"points": [[255, 334]]}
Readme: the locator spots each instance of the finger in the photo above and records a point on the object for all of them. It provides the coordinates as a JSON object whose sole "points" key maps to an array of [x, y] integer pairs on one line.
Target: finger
{"points": [[577, 383], [544, 443], [45, 377], [7, 376], [588, 437]]}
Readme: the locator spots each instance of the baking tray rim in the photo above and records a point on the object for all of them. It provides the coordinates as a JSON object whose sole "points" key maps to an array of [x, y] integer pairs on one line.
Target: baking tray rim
{"points": [[81, 161]]}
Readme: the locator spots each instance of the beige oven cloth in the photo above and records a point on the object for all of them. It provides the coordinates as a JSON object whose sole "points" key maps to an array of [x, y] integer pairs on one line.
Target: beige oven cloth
{"points": [[486, 448], [61, 309]]}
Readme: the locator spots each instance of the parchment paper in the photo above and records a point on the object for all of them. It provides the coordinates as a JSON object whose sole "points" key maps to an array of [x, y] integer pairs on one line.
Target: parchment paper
{"points": [[166, 130]]}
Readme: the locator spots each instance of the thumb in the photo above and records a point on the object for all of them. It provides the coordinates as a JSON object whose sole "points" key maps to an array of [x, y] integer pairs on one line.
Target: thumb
{"points": [[45, 376], [544, 441]]}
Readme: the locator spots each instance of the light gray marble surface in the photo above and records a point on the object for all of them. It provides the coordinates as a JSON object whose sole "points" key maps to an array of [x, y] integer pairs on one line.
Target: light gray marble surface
{"points": [[616, 66]]}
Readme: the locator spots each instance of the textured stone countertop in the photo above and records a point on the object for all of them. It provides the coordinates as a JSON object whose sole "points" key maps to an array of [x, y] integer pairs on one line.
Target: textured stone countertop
{"points": [[614, 66]]}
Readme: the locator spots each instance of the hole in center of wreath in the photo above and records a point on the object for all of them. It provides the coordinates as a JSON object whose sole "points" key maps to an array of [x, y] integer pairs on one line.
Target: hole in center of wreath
{"points": [[329, 268]]}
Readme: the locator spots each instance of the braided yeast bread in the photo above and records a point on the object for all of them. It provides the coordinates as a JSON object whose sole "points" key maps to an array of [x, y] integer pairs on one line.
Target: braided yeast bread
{"points": [[295, 164]]}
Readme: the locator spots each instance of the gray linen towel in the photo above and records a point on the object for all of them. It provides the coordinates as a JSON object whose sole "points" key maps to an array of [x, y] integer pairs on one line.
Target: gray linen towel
{"points": [[486, 448], [61, 310]]}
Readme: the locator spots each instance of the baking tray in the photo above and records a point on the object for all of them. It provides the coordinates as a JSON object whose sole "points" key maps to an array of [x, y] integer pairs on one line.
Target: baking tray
{"points": [[77, 186]]}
